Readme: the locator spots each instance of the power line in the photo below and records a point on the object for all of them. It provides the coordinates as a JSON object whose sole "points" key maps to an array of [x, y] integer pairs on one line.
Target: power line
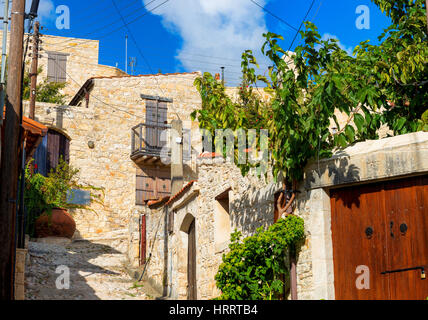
{"points": [[100, 100], [101, 17], [301, 24], [112, 23], [273, 15], [141, 52], [117, 29], [318, 9]]}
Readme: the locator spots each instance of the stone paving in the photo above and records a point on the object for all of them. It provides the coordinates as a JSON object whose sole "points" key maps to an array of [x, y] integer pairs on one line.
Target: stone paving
{"points": [[97, 272]]}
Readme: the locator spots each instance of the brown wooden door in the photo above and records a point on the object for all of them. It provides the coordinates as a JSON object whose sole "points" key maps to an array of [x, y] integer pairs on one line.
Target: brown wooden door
{"points": [[365, 226], [406, 207], [191, 263], [156, 115]]}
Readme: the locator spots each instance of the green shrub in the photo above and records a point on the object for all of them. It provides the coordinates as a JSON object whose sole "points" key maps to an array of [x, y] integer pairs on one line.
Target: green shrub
{"points": [[42, 194], [253, 267]]}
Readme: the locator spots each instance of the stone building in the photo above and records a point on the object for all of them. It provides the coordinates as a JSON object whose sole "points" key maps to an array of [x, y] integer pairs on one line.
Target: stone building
{"points": [[69, 60], [174, 220], [187, 234]]}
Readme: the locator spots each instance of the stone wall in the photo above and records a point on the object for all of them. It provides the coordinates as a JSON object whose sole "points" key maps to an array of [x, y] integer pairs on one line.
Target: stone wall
{"points": [[251, 205], [82, 60], [365, 162], [115, 107]]}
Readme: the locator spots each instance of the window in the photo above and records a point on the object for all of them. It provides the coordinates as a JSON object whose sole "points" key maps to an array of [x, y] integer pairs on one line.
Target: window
{"points": [[222, 227], [57, 67], [54, 146], [152, 184]]}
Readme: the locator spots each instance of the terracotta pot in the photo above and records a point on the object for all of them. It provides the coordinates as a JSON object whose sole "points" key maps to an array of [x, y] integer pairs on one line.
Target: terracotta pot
{"points": [[59, 224]]}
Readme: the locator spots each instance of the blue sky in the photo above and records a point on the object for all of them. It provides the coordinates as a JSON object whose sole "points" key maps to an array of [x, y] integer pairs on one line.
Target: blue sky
{"points": [[190, 35]]}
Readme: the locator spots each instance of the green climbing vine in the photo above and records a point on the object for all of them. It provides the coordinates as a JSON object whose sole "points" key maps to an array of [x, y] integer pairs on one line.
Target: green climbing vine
{"points": [[254, 266]]}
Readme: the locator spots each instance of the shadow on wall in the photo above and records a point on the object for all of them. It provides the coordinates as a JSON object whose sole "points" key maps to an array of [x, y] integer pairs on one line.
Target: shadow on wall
{"points": [[44, 259], [254, 209], [339, 172]]}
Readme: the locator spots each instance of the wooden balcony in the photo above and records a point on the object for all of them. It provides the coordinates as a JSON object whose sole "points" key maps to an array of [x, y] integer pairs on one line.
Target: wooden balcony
{"points": [[148, 141], [151, 142]]}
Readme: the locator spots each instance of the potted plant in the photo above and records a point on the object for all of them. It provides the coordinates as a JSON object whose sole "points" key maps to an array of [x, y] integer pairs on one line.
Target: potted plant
{"points": [[47, 201]]}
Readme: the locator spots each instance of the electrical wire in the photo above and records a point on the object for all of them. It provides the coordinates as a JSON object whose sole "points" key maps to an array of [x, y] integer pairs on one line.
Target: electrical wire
{"points": [[301, 24], [112, 23], [273, 15], [117, 29]]}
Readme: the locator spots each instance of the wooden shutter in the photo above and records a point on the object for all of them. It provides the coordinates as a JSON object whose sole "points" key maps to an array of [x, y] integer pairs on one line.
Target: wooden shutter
{"points": [[57, 67], [51, 67], [162, 120], [62, 68], [163, 182], [58, 146], [151, 119], [152, 184], [146, 182], [156, 115]]}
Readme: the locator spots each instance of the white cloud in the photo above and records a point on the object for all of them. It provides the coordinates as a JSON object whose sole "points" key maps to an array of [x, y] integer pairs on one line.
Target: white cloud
{"points": [[349, 50], [46, 9], [216, 29]]}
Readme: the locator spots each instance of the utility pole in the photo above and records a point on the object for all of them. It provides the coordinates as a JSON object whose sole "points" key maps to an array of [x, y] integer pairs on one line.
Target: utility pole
{"points": [[10, 162], [34, 67], [222, 76], [3, 67], [126, 54], [3, 59]]}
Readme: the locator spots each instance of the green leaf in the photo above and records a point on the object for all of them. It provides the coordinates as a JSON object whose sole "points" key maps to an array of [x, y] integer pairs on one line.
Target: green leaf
{"points": [[400, 123], [350, 133], [359, 121]]}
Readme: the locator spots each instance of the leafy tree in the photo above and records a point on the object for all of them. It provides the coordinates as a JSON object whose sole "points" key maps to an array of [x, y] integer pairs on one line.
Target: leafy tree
{"points": [[381, 84], [49, 92], [46, 91]]}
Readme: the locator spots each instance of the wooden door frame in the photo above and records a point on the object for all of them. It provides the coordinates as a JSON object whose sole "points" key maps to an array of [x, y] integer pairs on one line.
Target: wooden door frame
{"points": [[192, 292]]}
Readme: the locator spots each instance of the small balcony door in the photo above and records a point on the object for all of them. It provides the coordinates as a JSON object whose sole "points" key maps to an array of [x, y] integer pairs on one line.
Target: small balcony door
{"points": [[156, 119]]}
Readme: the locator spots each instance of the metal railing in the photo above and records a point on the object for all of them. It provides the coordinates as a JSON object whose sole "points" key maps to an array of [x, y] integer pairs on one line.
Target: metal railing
{"points": [[149, 139]]}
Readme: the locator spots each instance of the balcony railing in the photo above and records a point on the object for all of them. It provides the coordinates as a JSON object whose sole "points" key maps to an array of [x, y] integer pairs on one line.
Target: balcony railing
{"points": [[148, 140]]}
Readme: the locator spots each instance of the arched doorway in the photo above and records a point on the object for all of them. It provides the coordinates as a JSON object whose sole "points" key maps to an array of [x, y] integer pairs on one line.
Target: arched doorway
{"points": [[188, 226]]}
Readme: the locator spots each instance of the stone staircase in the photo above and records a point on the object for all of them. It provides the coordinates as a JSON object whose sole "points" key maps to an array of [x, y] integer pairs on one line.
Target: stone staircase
{"points": [[97, 271]]}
